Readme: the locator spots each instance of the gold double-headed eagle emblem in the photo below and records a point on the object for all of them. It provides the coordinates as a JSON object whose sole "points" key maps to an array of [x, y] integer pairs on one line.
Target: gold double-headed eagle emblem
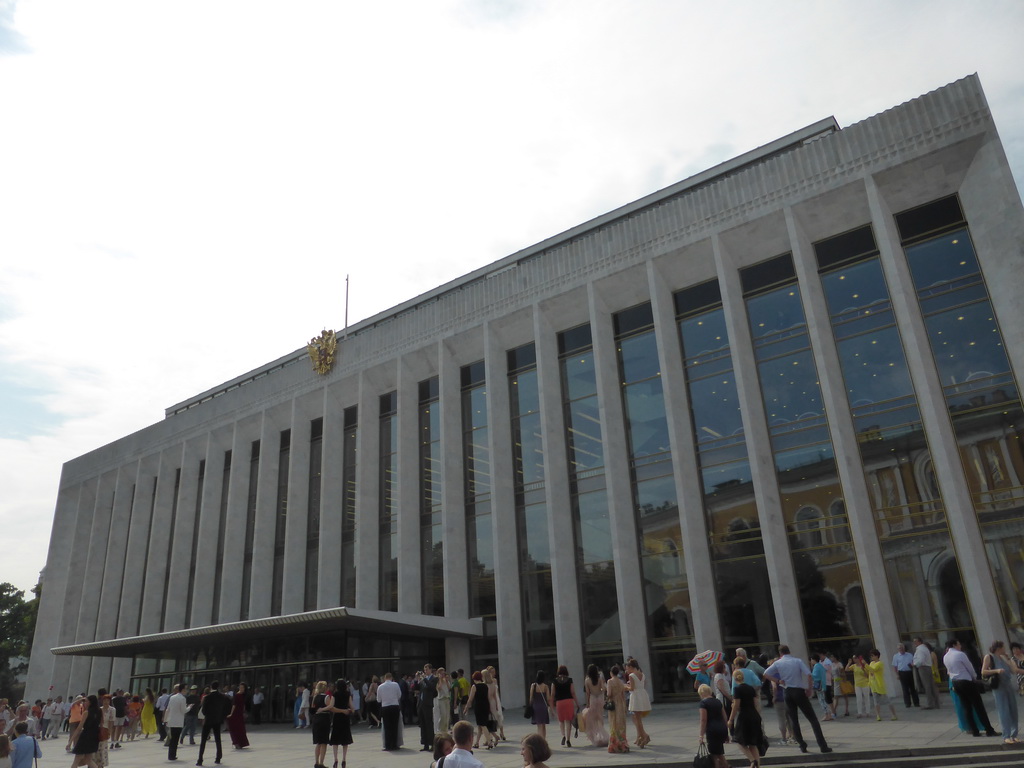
{"points": [[321, 351]]}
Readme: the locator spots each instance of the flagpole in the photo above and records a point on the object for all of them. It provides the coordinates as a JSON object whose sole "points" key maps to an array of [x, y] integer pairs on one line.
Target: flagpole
{"points": [[346, 307]]}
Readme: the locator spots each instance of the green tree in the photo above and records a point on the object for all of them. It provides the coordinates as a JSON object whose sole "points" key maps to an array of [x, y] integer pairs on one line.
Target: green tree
{"points": [[17, 625]]}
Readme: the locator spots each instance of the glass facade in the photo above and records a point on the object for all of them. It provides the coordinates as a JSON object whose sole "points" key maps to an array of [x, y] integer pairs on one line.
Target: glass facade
{"points": [[813, 506], [655, 503], [348, 507], [477, 484], [532, 523], [910, 517], [388, 467], [980, 390], [431, 497], [277, 664], [595, 565], [250, 529], [316, 445], [746, 610]]}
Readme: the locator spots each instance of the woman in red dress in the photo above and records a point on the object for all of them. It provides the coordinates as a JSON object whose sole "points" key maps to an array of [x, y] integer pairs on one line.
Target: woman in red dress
{"points": [[236, 719]]}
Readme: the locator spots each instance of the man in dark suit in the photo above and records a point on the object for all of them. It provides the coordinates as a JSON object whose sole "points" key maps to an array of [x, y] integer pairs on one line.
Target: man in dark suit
{"points": [[425, 707], [214, 709]]}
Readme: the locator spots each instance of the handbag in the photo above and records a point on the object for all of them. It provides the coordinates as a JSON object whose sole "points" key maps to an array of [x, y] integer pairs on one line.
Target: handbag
{"points": [[609, 705], [703, 758], [992, 680]]}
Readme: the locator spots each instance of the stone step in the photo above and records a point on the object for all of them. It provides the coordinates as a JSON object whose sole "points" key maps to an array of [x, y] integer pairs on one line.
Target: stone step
{"points": [[990, 756]]}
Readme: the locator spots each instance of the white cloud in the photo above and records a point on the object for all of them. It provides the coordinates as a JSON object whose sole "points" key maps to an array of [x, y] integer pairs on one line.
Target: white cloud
{"points": [[185, 185]]}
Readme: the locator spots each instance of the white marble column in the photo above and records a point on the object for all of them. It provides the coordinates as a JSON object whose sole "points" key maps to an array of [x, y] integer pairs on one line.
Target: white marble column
{"points": [[456, 589], [275, 420], [507, 587], [231, 550], [368, 494], [332, 495], [622, 516], [785, 592], [113, 576], [293, 593], [129, 618], [176, 590], [407, 490], [692, 520], [845, 445], [565, 587], [949, 470], [79, 600]]}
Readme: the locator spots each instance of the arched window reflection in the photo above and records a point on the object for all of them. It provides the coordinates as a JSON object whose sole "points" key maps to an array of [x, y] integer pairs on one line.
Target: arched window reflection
{"points": [[838, 522], [808, 526]]}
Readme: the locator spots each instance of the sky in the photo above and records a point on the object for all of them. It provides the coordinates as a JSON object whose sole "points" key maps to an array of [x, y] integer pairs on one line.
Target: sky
{"points": [[184, 185]]}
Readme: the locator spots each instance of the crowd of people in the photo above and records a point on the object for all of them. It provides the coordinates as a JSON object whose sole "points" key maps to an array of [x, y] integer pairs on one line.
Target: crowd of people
{"points": [[445, 708], [93, 725]]}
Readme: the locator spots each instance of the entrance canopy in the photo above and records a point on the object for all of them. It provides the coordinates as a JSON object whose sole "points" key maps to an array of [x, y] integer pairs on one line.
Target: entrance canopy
{"points": [[330, 619]]}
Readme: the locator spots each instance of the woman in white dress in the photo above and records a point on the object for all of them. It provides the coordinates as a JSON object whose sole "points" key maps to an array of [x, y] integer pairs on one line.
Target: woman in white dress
{"points": [[639, 701]]}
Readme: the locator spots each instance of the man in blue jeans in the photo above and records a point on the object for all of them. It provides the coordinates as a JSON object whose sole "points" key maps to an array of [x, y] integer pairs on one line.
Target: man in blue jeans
{"points": [[26, 748], [795, 676]]}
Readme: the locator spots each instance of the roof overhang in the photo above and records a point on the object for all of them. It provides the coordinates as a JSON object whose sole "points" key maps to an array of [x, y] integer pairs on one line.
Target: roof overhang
{"points": [[330, 619]]}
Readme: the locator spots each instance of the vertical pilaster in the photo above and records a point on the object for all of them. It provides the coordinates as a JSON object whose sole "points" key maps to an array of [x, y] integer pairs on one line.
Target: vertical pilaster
{"points": [[328, 594], [368, 495], [942, 442], [408, 490], [113, 572], [176, 600], [785, 591], [456, 590], [230, 557], [692, 521], [266, 511], [78, 596], [625, 541], [565, 587], [294, 589], [159, 534], [506, 544], [845, 445], [129, 618]]}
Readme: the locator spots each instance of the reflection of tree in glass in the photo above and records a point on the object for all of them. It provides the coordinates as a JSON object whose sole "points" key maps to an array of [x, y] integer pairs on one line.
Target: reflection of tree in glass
{"points": [[824, 616]]}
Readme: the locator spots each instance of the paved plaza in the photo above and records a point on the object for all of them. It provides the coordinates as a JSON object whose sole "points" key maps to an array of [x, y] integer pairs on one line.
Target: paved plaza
{"points": [[673, 729]]}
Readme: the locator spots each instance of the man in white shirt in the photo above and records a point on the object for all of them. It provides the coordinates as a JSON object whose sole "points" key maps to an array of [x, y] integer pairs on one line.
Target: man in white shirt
{"points": [[55, 716], [161, 705], [923, 673], [389, 696], [903, 666], [462, 755], [795, 677], [174, 720], [963, 675]]}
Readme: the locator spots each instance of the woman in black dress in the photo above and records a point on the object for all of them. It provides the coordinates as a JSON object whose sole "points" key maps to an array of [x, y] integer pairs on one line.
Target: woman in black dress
{"points": [[341, 721], [480, 701], [86, 737], [745, 720], [714, 731], [320, 715]]}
